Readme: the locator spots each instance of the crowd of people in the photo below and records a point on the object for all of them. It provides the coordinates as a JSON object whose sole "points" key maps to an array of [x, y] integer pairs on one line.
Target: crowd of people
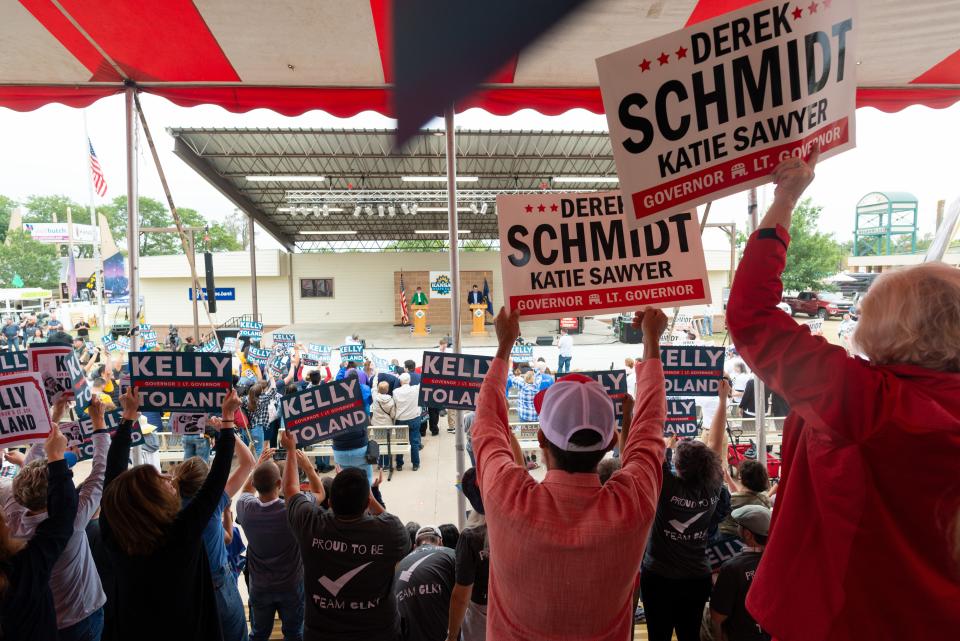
{"points": [[844, 549]]}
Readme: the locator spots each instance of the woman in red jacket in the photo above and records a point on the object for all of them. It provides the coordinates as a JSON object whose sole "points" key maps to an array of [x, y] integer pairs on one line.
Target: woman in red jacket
{"points": [[862, 544]]}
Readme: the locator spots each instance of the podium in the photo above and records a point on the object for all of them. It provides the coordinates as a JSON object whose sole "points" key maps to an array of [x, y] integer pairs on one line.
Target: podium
{"points": [[479, 313], [419, 319]]}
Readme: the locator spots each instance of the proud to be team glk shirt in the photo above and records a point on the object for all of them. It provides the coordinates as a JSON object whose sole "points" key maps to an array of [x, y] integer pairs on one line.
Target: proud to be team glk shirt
{"points": [[348, 572]]}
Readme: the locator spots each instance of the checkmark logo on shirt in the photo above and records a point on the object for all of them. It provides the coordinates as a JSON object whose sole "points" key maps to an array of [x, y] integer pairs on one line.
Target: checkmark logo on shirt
{"points": [[334, 587], [406, 574], [681, 526]]}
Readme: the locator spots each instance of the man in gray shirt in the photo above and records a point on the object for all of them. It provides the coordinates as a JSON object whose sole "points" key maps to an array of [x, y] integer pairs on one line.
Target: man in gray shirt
{"points": [[273, 556], [75, 583]]}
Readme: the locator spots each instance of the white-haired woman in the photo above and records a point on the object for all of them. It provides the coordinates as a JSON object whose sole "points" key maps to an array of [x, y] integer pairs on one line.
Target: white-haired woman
{"points": [[871, 450]]}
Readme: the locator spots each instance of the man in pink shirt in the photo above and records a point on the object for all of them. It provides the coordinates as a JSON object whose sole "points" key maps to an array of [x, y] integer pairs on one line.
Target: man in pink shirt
{"points": [[566, 552]]}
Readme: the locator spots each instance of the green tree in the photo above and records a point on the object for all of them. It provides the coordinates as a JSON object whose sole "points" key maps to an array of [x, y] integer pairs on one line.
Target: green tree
{"points": [[812, 255], [116, 216], [152, 214], [36, 263], [7, 205], [217, 238]]}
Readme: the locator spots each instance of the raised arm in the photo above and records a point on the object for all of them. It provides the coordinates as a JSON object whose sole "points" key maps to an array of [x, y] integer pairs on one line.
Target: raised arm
{"points": [[91, 490], [316, 483], [291, 479], [642, 456], [814, 376], [51, 536], [714, 439], [245, 465], [191, 520], [119, 454]]}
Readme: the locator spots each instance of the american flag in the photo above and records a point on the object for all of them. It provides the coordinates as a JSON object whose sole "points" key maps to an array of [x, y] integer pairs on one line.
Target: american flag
{"points": [[404, 317], [96, 173]]}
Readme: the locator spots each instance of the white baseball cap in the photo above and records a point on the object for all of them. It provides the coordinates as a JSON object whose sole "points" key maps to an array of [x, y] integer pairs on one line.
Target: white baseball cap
{"points": [[576, 402]]}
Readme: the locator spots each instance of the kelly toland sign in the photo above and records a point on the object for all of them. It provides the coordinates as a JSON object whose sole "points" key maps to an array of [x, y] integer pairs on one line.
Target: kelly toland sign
{"points": [[230, 344], [181, 381], [692, 371], [452, 380], [567, 254], [521, 353], [681, 417], [85, 449], [615, 384], [284, 338], [324, 411], [259, 355], [352, 352], [710, 110], [253, 329], [24, 413], [62, 374], [109, 344], [13, 362], [322, 351]]}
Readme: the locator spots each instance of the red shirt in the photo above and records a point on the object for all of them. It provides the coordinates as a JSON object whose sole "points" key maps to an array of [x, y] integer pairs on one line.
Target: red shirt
{"points": [[859, 546], [565, 552]]}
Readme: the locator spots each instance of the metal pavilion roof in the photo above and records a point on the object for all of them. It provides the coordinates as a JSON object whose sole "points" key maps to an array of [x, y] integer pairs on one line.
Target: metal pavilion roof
{"points": [[363, 200]]}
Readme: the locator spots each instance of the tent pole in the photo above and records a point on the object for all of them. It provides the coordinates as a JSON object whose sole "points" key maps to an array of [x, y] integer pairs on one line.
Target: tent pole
{"points": [[253, 268], [133, 214], [455, 290], [759, 390]]}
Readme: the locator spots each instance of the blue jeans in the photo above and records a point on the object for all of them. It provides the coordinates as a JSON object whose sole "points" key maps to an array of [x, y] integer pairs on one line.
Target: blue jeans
{"points": [[88, 629], [414, 428], [563, 365], [354, 458], [264, 604], [13, 344], [196, 446], [708, 325], [256, 432], [229, 606]]}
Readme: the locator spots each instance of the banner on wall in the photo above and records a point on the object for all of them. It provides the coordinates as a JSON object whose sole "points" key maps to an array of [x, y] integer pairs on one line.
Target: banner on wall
{"points": [[710, 110], [566, 254], [440, 284]]}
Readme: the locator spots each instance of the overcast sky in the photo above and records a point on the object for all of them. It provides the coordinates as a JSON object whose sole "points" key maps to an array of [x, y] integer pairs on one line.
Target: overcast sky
{"points": [[914, 150]]}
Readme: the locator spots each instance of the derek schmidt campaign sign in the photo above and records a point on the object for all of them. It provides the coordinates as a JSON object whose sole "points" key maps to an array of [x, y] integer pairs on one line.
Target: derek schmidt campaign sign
{"points": [[710, 110], [565, 254], [181, 381]]}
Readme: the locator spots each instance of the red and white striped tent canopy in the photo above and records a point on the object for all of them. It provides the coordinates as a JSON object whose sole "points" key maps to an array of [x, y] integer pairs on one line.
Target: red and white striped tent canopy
{"points": [[296, 55]]}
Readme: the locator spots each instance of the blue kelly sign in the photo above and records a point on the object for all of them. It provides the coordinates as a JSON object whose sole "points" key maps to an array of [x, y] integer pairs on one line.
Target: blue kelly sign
{"points": [[12, 362], [452, 380], [222, 293], [259, 355], [522, 353], [181, 381], [692, 370], [681, 417], [250, 328], [324, 411], [615, 384], [351, 352]]}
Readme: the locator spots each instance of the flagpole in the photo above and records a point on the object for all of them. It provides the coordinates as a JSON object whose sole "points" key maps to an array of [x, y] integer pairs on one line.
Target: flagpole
{"points": [[95, 221]]}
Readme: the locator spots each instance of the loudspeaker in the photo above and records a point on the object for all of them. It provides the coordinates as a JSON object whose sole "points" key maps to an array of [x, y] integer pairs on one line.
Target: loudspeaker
{"points": [[629, 334], [211, 289], [544, 340]]}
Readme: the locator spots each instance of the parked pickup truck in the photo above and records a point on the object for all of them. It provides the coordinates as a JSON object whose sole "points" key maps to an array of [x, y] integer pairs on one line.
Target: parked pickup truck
{"points": [[820, 304]]}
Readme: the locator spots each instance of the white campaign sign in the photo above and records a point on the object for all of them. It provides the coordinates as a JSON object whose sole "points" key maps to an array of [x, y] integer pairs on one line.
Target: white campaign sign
{"points": [[563, 254], [24, 413], [709, 110]]}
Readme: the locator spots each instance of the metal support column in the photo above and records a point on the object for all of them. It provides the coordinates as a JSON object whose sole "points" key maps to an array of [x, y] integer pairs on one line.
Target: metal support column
{"points": [[290, 286], [759, 389], [455, 292], [197, 292], [133, 215], [253, 268]]}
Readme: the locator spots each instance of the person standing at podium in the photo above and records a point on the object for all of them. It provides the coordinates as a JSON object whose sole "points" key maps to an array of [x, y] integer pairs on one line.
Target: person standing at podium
{"points": [[419, 298], [474, 297]]}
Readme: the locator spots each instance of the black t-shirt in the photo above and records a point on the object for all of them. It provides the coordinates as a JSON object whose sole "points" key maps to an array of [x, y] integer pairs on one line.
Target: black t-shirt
{"points": [[348, 572], [422, 585], [83, 329], [473, 562], [678, 538], [730, 595]]}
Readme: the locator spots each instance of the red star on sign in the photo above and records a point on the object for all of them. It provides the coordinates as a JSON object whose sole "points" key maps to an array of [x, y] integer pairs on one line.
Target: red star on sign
{"points": [[663, 59], [553, 207], [541, 209], [812, 8], [797, 13], [681, 53], [529, 209], [645, 65]]}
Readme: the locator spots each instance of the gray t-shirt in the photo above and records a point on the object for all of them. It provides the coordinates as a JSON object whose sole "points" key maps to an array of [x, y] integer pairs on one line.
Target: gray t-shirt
{"points": [[423, 584], [273, 556], [348, 572], [678, 538]]}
